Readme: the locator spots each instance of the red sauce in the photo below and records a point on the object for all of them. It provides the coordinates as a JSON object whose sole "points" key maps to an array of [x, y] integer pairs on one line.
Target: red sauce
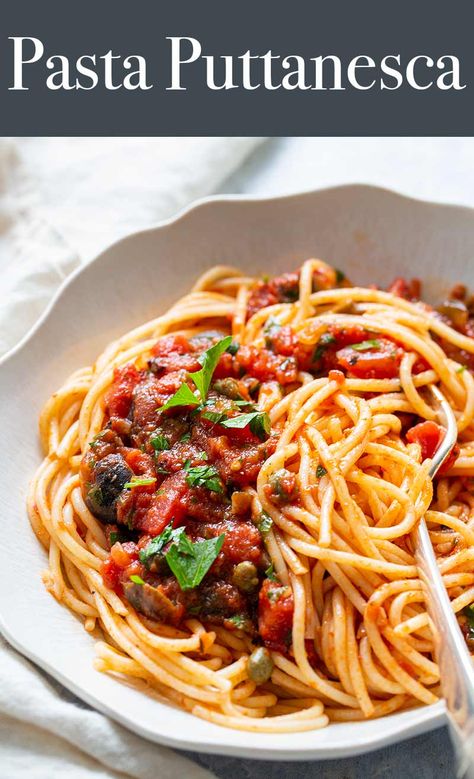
{"points": [[429, 436], [142, 473]]}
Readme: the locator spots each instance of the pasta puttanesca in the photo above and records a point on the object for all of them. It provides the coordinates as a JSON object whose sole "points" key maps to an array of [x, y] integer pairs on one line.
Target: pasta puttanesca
{"points": [[301, 459]]}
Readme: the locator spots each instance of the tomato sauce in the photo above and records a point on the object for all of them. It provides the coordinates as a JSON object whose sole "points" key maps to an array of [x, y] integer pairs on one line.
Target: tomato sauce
{"points": [[174, 479]]}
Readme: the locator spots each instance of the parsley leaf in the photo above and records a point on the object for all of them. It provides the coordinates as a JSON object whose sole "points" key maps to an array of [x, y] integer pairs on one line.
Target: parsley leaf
{"points": [[117, 535], [272, 326], [159, 443], [322, 345], [270, 573], [264, 523], [340, 276], [365, 346], [190, 562], [214, 416], [209, 360], [183, 397], [203, 476], [157, 544], [238, 620], [202, 379], [136, 579], [460, 369], [258, 421], [320, 471], [185, 437], [274, 595], [97, 438], [139, 481]]}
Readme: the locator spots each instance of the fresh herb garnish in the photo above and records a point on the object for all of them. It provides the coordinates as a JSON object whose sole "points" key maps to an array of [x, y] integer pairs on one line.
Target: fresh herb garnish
{"points": [[214, 416], [136, 579], [323, 343], [190, 562], [264, 523], [461, 369], [97, 438], [238, 620], [321, 471], [203, 476], [185, 437], [157, 544], [258, 421], [159, 443], [270, 573], [139, 481], [184, 396], [274, 595], [340, 276], [272, 326], [364, 346], [208, 360]]}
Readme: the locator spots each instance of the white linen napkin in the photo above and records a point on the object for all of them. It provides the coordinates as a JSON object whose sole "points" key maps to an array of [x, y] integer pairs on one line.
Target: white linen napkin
{"points": [[64, 200], [61, 202]]}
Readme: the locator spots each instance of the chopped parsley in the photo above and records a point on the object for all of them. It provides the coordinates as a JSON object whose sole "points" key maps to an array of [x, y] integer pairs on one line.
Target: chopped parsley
{"points": [[185, 437], [214, 416], [461, 369], [340, 276], [258, 421], [264, 523], [184, 396], [238, 620], [139, 481], [272, 326], [365, 346], [270, 573], [323, 343], [191, 561], [136, 579], [203, 476], [97, 438], [157, 544], [116, 535], [320, 471], [274, 595], [159, 443]]}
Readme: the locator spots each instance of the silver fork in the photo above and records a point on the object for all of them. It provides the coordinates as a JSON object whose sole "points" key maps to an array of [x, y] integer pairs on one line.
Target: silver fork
{"points": [[452, 655]]}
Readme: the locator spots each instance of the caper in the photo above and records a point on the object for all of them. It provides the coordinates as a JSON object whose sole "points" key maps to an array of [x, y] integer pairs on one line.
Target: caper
{"points": [[245, 576], [260, 665]]}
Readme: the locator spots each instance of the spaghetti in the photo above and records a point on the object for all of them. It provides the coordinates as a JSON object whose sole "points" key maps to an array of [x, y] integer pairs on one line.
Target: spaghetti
{"points": [[228, 494]]}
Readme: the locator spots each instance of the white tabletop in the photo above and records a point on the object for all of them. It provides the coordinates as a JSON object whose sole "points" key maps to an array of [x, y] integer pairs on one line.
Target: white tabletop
{"points": [[439, 169]]}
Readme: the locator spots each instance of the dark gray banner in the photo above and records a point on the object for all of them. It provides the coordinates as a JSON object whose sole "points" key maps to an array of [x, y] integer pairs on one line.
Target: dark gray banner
{"points": [[209, 67]]}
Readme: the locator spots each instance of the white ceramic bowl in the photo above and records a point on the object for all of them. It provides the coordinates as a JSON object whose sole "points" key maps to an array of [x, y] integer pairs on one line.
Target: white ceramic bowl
{"points": [[371, 234]]}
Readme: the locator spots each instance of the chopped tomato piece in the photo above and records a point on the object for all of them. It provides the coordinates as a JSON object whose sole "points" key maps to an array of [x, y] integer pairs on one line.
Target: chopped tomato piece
{"points": [[275, 615], [173, 353], [378, 361], [429, 436], [266, 365], [110, 572], [119, 397], [169, 505]]}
